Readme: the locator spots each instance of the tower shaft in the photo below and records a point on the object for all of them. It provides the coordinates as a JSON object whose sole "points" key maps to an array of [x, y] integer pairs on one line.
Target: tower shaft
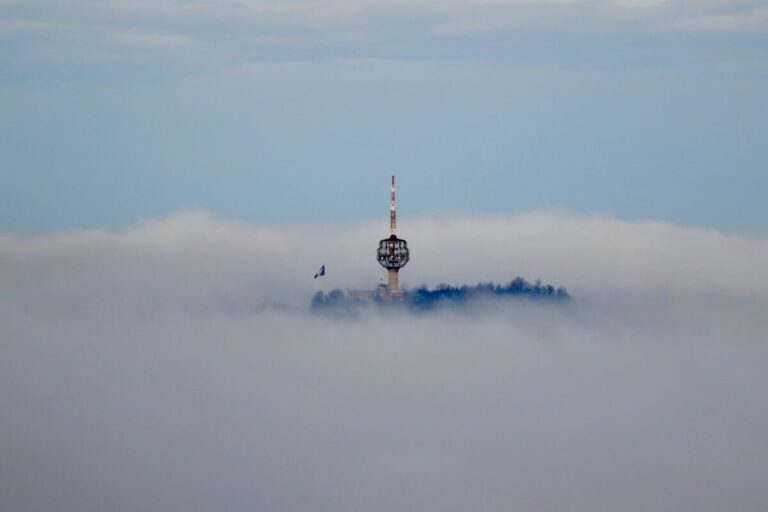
{"points": [[393, 285]]}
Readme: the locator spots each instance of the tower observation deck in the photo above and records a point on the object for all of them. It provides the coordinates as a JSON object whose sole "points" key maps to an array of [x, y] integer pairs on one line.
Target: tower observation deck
{"points": [[393, 253]]}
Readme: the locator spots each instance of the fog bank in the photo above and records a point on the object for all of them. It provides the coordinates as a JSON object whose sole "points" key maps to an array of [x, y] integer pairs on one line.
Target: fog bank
{"points": [[148, 370]]}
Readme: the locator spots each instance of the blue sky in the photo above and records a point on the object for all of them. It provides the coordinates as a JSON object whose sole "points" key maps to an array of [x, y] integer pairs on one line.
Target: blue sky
{"points": [[272, 111]]}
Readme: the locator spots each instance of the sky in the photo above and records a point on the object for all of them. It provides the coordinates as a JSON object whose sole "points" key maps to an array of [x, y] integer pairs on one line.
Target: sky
{"points": [[273, 111], [174, 172]]}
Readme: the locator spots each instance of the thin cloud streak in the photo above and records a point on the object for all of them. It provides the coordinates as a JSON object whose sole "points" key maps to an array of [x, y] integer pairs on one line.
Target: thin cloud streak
{"points": [[755, 22], [236, 28]]}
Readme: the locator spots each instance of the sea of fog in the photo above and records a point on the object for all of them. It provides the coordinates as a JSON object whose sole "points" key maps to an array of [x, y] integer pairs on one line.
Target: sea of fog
{"points": [[176, 366]]}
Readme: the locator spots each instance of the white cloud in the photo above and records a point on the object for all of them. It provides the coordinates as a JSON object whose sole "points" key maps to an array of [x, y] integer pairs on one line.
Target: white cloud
{"points": [[469, 26], [155, 41], [80, 33], [135, 372], [448, 16], [592, 256], [755, 22], [641, 4]]}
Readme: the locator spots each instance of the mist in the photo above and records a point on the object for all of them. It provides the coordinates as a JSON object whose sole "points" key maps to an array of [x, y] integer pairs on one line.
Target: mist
{"points": [[177, 366]]}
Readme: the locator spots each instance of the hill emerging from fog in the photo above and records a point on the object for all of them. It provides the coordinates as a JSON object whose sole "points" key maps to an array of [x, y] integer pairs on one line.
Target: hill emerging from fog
{"points": [[443, 296]]}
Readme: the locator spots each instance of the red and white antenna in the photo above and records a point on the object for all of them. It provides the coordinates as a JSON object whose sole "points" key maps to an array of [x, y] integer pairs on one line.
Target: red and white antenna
{"points": [[393, 209]]}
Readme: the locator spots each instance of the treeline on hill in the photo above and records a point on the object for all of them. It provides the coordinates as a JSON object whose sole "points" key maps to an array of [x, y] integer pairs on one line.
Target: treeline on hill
{"points": [[424, 299]]}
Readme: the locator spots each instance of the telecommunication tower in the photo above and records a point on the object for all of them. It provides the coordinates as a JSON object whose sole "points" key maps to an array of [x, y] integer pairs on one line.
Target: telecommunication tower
{"points": [[393, 252]]}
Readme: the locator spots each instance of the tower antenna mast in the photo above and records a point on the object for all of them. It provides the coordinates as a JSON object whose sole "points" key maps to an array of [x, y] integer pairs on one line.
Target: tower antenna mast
{"points": [[393, 209]]}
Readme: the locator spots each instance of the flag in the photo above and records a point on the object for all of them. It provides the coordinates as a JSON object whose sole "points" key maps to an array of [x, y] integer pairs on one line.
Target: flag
{"points": [[320, 272]]}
